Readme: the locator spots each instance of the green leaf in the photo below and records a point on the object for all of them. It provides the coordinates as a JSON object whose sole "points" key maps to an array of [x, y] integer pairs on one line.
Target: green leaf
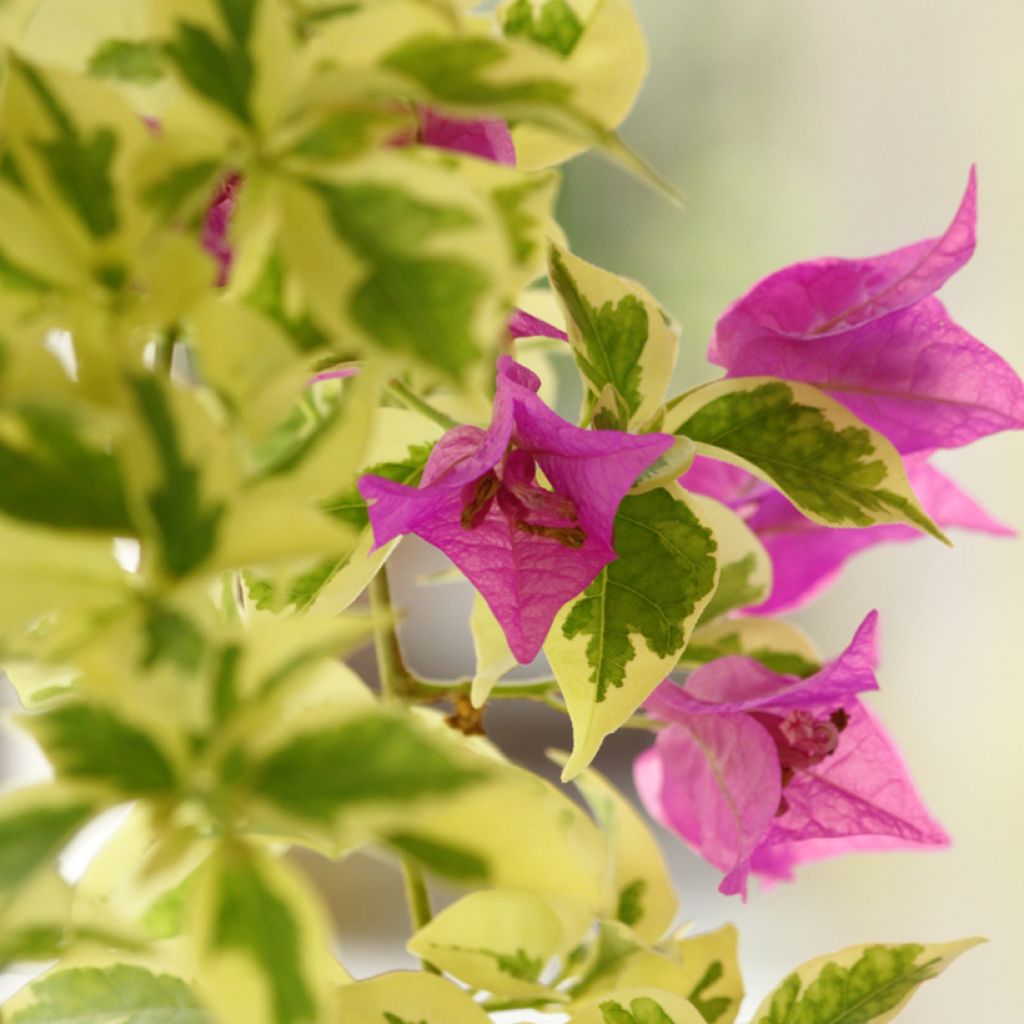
{"points": [[613, 644], [407, 997], [444, 859], [778, 645], [222, 72], [409, 300], [187, 526], [501, 939], [371, 759], [252, 919], [624, 344], [859, 985], [182, 186], [703, 968], [456, 71], [642, 895], [835, 469], [261, 941], [79, 164], [745, 567], [119, 994], [128, 60], [554, 25], [35, 824], [56, 478], [637, 1006], [561, 856], [92, 743]]}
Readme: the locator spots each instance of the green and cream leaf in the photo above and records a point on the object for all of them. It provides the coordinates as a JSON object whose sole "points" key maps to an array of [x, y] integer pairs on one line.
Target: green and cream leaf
{"points": [[859, 985], [623, 342], [612, 645], [834, 468]]}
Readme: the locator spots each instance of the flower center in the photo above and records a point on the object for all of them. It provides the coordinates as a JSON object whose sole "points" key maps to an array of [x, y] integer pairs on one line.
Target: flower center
{"points": [[528, 507], [802, 741]]}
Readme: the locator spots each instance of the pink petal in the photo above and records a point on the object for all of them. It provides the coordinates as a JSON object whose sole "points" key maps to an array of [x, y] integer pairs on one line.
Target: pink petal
{"points": [[524, 578], [869, 333], [489, 139], [716, 781], [737, 683], [525, 325], [914, 375], [807, 557], [827, 296], [860, 798], [217, 224]]}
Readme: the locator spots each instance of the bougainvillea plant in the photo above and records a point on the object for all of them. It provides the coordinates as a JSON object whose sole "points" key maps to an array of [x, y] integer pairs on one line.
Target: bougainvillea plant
{"points": [[280, 284]]}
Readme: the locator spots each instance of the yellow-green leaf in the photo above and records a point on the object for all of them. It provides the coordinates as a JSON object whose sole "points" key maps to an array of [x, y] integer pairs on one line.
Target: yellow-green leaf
{"points": [[745, 567], [834, 468], [624, 343], [642, 894], [778, 645], [585, 34], [866, 984], [406, 997], [637, 1006], [260, 942], [500, 940], [621, 637]]}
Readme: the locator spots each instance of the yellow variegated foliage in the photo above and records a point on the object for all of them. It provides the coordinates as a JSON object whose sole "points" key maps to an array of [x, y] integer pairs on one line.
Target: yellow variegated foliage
{"points": [[259, 941], [874, 982], [49, 571], [833, 467], [641, 894], [704, 969], [600, 27], [776, 643], [407, 997], [501, 940], [562, 855], [637, 1006], [145, 873], [624, 343], [745, 567], [604, 676], [399, 441]]}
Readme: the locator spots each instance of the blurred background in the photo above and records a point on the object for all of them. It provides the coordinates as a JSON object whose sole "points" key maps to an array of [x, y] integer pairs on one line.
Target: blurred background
{"points": [[799, 129]]}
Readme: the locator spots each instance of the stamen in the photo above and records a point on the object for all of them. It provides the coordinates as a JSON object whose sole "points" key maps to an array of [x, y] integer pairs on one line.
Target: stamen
{"points": [[476, 500], [569, 536]]}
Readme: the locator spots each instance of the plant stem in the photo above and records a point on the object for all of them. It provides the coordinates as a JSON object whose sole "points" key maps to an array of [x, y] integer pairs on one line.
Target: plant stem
{"points": [[413, 401], [395, 684]]}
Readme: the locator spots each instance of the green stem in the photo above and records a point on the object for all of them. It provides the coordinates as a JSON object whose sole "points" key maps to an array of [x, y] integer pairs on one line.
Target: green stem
{"points": [[395, 684], [413, 401]]}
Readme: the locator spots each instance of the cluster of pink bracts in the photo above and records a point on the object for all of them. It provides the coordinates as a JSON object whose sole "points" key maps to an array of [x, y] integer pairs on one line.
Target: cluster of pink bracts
{"points": [[757, 771]]}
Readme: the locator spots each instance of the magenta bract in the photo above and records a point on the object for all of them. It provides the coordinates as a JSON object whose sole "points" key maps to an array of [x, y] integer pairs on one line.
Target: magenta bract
{"points": [[870, 334], [759, 771], [528, 549], [488, 139]]}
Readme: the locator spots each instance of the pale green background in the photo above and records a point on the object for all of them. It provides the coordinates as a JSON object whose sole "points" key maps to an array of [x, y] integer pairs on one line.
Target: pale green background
{"points": [[803, 128]]}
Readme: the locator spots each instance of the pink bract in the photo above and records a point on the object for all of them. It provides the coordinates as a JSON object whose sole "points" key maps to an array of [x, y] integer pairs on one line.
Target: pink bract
{"points": [[759, 771], [870, 334], [488, 139], [527, 549]]}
